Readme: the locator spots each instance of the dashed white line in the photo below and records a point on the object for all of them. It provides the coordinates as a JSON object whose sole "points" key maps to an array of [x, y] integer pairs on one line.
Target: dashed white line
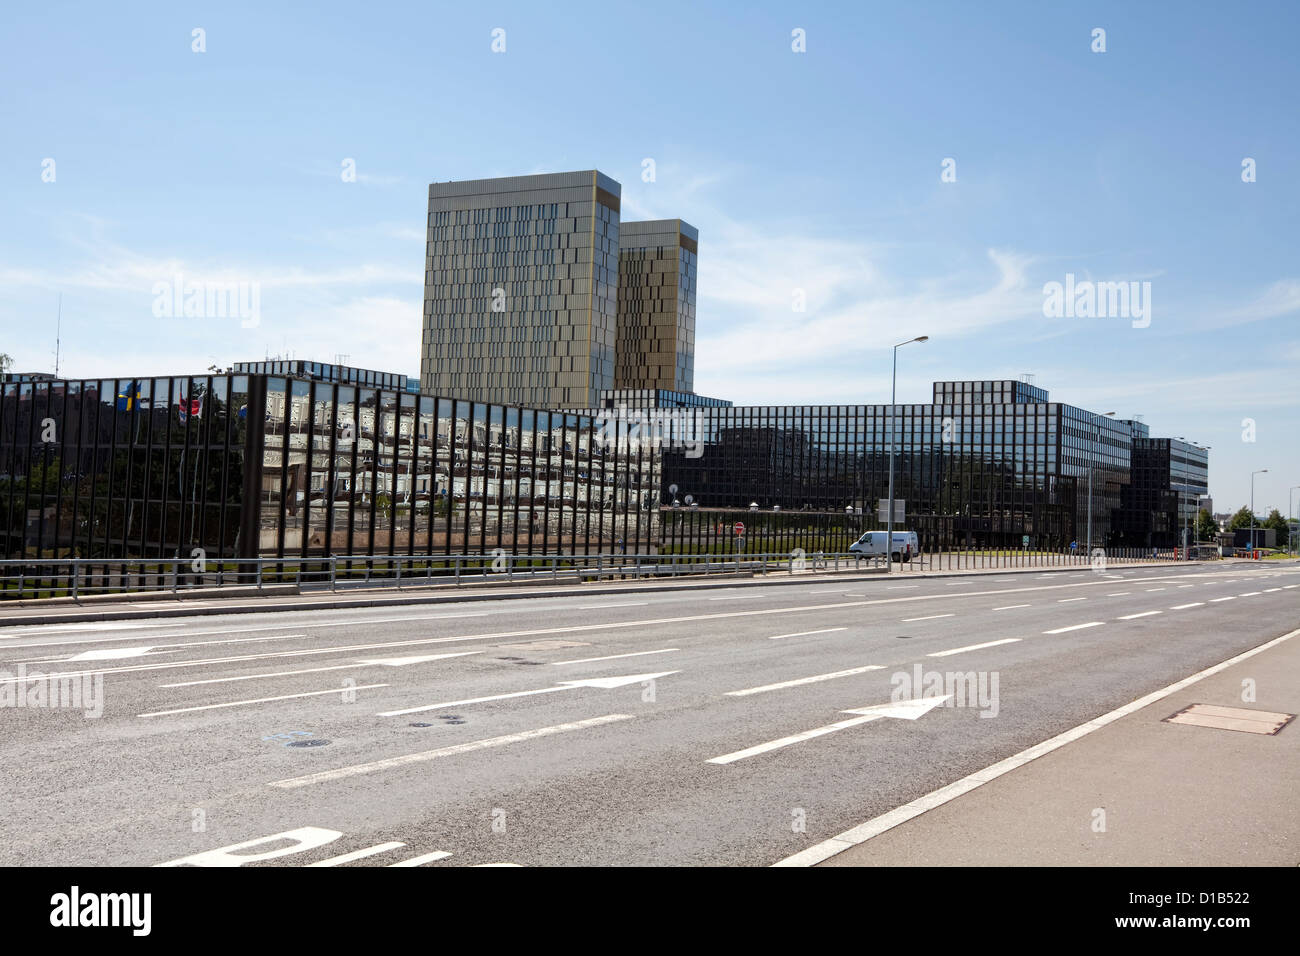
{"points": [[1183, 607], [930, 617], [1129, 617], [1217, 600], [613, 657], [1249, 594], [1119, 594], [598, 607], [406, 759], [974, 647], [804, 680], [1069, 600], [1011, 607], [1075, 627], [792, 739], [261, 700], [825, 630]]}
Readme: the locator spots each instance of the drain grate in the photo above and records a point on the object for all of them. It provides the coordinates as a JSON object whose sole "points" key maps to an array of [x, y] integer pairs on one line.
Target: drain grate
{"points": [[1231, 718]]}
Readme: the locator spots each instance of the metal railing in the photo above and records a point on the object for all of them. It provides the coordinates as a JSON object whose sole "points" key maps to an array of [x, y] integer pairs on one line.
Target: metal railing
{"points": [[88, 578]]}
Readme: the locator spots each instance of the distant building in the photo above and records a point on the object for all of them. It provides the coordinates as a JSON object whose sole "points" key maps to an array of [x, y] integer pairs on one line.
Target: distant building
{"points": [[657, 264]]}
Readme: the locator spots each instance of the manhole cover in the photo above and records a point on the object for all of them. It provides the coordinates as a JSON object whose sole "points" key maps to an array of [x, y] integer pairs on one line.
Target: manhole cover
{"points": [[1231, 718], [307, 743]]}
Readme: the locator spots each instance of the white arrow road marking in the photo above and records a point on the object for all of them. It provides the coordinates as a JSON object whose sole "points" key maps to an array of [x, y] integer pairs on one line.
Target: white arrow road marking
{"points": [[974, 647], [260, 700], [604, 683], [905, 710], [389, 662], [390, 762], [803, 680]]}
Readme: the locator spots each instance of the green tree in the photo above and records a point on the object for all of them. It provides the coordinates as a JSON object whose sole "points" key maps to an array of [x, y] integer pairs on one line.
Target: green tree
{"points": [[1207, 529], [1278, 524], [1243, 520]]}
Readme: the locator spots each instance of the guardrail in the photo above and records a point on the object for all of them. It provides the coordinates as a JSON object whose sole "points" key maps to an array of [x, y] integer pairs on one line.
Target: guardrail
{"points": [[88, 578]]}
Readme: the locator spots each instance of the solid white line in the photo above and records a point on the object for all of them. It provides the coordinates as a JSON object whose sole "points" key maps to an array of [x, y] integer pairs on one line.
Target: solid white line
{"points": [[887, 821], [932, 617], [794, 739], [597, 607], [422, 859], [1129, 617], [390, 762], [1068, 600], [974, 647], [357, 854], [309, 670], [737, 597], [825, 630], [613, 657], [1011, 607], [1217, 600], [803, 680], [897, 587], [1075, 627], [260, 700], [1183, 607]]}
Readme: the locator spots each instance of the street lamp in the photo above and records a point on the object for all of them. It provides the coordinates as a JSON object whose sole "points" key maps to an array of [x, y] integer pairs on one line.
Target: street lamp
{"points": [[893, 425], [1290, 513], [1262, 471], [1097, 438]]}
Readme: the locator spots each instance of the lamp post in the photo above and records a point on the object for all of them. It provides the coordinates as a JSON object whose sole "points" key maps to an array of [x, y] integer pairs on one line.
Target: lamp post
{"points": [[1097, 439], [1290, 513], [1262, 471], [893, 424]]}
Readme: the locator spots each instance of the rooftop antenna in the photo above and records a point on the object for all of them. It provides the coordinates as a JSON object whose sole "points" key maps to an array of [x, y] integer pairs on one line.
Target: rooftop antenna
{"points": [[58, 330]]}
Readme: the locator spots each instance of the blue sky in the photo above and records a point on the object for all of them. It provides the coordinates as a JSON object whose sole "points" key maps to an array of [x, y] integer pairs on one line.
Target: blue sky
{"points": [[816, 171]]}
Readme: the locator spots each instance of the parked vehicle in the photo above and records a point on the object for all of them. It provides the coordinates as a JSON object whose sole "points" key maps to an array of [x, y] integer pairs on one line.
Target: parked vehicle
{"points": [[873, 543]]}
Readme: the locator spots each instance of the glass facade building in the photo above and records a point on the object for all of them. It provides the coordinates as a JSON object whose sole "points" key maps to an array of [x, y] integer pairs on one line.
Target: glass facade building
{"points": [[259, 465], [657, 264], [520, 289]]}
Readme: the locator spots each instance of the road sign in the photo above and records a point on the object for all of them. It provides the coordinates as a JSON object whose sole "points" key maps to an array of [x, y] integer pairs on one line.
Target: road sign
{"points": [[739, 528], [1024, 541], [882, 509]]}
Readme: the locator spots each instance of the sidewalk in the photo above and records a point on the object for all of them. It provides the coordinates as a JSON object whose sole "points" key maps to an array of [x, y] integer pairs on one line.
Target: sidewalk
{"points": [[1173, 794], [211, 601]]}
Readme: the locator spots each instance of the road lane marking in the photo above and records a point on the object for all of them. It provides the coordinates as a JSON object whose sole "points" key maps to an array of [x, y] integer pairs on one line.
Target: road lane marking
{"points": [[931, 617], [1129, 617], [901, 587], [825, 630], [1012, 607], [603, 683], [1183, 607], [260, 700], [1217, 600], [1075, 627], [974, 647], [422, 859], [389, 763], [1187, 585], [358, 854], [598, 607], [393, 662], [799, 682], [737, 597], [1149, 590], [1249, 594], [1119, 594], [937, 798], [793, 739], [613, 657], [1068, 600]]}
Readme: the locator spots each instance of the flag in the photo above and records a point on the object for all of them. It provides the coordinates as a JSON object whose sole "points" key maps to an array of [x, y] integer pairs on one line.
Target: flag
{"points": [[185, 407], [129, 398]]}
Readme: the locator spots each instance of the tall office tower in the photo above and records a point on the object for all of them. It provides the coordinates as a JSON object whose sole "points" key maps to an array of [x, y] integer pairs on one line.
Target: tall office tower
{"points": [[520, 286], [656, 305]]}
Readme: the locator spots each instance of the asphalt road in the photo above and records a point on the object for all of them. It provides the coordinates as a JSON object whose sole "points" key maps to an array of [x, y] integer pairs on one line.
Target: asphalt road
{"points": [[660, 728]]}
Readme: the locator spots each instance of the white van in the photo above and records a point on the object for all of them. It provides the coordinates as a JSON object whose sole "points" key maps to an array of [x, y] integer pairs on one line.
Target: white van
{"points": [[873, 543]]}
